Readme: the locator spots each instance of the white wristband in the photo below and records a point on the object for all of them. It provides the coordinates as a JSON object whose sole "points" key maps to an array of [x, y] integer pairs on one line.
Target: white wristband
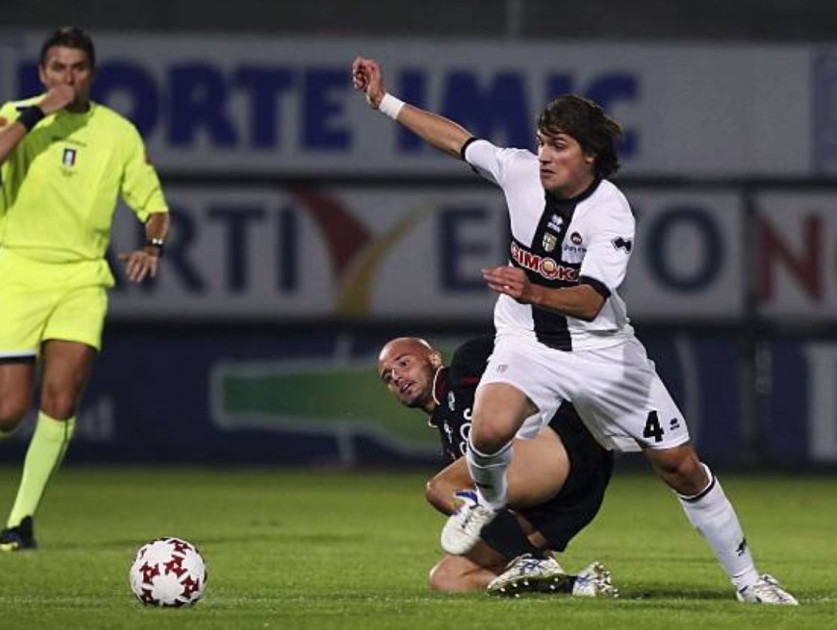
{"points": [[390, 106]]}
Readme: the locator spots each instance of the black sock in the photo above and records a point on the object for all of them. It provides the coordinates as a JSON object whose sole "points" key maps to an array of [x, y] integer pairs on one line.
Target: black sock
{"points": [[505, 535]]}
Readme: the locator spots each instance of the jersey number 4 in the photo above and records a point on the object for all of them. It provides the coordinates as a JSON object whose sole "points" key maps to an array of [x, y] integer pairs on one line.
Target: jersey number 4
{"points": [[652, 427]]}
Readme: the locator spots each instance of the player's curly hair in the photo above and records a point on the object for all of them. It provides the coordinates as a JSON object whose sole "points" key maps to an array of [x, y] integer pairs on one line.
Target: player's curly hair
{"points": [[70, 37], [586, 121]]}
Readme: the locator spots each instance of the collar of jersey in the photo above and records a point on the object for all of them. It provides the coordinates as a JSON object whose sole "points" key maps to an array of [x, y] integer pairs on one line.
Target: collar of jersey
{"points": [[440, 384], [580, 196]]}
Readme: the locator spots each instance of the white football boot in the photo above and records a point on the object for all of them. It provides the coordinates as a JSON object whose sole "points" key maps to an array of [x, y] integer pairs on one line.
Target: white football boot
{"points": [[462, 529], [594, 581], [766, 590], [526, 574]]}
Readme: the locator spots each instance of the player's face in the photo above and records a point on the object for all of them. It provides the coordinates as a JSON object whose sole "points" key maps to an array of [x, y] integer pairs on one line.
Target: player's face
{"points": [[565, 169], [408, 370], [68, 66]]}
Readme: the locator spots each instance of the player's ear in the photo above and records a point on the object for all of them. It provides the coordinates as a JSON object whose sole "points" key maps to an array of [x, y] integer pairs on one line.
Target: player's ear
{"points": [[436, 359]]}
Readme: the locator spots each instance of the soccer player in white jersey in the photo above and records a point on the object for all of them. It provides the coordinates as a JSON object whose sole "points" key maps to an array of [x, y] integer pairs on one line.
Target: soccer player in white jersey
{"points": [[64, 160], [562, 331]]}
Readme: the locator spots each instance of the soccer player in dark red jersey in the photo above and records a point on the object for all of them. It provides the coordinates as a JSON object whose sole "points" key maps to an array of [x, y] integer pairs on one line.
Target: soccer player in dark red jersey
{"points": [[555, 489]]}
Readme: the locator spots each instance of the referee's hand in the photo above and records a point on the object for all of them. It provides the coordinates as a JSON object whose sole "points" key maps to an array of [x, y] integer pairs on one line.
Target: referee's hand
{"points": [[141, 264], [56, 98]]}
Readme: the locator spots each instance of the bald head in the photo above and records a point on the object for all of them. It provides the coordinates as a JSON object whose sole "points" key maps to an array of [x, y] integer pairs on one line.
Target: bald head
{"points": [[401, 345], [407, 365]]}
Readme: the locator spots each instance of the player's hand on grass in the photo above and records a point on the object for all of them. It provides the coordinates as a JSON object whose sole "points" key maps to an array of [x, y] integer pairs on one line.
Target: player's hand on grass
{"points": [[509, 281], [368, 78], [141, 263]]}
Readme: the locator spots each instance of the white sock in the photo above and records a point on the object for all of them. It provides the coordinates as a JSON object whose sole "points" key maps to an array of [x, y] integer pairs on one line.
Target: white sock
{"points": [[713, 516], [489, 474]]}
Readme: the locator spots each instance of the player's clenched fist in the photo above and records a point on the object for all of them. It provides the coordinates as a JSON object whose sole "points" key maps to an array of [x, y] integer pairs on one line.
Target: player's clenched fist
{"points": [[367, 78]]}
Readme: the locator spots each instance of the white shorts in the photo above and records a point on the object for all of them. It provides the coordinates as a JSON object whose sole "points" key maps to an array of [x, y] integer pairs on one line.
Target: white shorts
{"points": [[616, 391]]}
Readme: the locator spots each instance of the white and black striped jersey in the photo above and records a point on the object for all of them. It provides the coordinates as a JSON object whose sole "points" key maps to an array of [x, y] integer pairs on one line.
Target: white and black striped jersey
{"points": [[560, 243]]}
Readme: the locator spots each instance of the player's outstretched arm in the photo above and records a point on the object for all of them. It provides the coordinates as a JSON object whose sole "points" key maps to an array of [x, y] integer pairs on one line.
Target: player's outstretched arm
{"points": [[436, 130]]}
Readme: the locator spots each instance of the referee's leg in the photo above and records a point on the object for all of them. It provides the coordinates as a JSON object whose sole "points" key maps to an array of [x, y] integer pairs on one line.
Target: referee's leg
{"points": [[66, 369], [17, 377]]}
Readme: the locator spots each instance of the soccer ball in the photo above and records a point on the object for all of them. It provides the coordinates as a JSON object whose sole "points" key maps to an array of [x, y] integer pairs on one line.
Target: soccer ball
{"points": [[168, 572]]}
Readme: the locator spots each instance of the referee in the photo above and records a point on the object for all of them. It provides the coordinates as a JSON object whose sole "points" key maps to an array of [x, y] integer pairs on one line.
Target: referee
{"points": [[64, 161]]}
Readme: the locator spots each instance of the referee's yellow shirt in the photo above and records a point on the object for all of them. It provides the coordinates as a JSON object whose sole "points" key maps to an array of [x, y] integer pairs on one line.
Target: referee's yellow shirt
{"points": [[60, 185]]}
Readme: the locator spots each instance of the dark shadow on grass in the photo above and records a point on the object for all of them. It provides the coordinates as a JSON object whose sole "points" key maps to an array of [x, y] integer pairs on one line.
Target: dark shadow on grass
{"points": [[204, 541], [663, 593], [656, 597]]}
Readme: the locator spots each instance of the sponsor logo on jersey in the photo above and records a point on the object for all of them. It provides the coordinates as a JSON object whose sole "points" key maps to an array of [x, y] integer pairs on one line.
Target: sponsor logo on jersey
{"points": [[555, 223], [544, 266], [573, 253], [549, 242], [623, 243]]}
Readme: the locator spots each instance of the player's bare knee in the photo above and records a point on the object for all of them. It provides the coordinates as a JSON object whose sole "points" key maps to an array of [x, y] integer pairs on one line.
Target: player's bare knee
{"points": [[695, 477], [439, 578], [433, 579], [681, 469], [490, 437], [438, 495], [60, 405], [10, 424], [12, 412]]}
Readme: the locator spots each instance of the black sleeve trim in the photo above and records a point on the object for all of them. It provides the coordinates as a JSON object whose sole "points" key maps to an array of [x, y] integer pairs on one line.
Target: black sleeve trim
{"points": [[465, 146], [597, 285]]}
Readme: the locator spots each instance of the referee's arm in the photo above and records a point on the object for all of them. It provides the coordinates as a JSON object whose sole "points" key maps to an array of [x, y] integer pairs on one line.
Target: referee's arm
{"points": [[56, 98]]}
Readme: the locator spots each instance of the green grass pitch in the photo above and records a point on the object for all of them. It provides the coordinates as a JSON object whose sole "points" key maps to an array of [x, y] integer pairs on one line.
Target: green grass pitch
{"points": [[327, 550]]}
